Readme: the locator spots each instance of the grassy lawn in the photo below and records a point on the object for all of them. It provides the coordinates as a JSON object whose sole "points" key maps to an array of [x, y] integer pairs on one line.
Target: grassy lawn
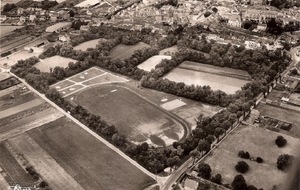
{"points": [[136, 118], [91, 163], [122, 51], [150, 63], [62, 84], [258, 142], [284, 115], [51, 62], [71, 89], [12, 171], [106, 78], [89, 44]]}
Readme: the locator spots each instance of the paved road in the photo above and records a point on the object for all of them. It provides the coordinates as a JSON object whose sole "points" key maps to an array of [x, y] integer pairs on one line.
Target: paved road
{"points": [[157, 178]]}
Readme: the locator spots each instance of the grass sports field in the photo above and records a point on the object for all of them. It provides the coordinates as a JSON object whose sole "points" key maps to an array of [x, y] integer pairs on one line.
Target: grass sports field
{"points": [[91, 163], [89, 44], [45, 64], [258, 142], [136, 118], [216, 81], [122, 51], [150, 63]]}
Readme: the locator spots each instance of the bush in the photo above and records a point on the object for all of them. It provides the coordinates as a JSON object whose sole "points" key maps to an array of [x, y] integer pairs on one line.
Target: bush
{"points": [[5, 54], [242, 167], [204, 170], [239, 183], [259, 160], [252, 187], [207, 14], [243, 154], [280, 141]]}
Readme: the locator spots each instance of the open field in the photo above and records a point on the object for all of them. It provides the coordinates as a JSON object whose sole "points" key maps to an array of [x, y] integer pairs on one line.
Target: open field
{"points": [[12, 171], [283, 114], [150, 63], [5, 30], [62, 84], [122, 51], [169, 51], [43, 163], [89, 44], [258, 142], [91, 163], [136, 118], [71, 89], [56, 61], [103, 79], [15, 57], [216, 82], [223, 71]]}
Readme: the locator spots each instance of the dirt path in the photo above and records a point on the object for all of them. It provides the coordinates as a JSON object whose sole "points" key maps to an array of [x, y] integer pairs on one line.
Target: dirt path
{"points": [[22, 129], [44, 164], [19, 108]]}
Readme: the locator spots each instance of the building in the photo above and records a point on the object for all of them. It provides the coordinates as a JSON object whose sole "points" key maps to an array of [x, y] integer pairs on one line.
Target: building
{"points": [[234, 20], [59, 27]]}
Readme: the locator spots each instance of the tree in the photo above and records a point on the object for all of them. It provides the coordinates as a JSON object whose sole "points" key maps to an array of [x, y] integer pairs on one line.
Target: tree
{"points": [[280, 141], [217, 179], [194, 154], [294, 72], [243, 154], [259, 160], [218, 132], [204, 170], [239, 183], [252, 187], [284, 161], [8, 7], [203, 146], [173, 161], [242, 167]]}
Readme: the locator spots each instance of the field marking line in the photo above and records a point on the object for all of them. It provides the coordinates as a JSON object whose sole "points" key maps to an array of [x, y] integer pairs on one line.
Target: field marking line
{"points": [[133, 162], [70, 87], [92, 78], [69, 78], [75, 91], [61, 82]]}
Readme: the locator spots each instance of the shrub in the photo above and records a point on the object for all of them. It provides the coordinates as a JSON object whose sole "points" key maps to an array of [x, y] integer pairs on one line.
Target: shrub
{"points": [[280, 141], [204, 170], [243, 154], [207, 14], [5, 54], [259, 160], [242, 167], [252, 187]]}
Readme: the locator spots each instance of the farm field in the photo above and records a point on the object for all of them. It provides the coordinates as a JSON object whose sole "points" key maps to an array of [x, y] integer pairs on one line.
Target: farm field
{"points": [[15, 57], [223, 71], [122, 51], [258, 142], [283, 114], [45, 64], [136, 118], [5, 30], [89, 44], [150, 63], [91, 163], [43, 163], [169, 50], [20, 108], [13, 172], [217, 82], [6, 101]]}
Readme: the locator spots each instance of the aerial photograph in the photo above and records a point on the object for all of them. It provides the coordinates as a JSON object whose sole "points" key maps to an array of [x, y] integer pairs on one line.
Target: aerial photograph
{"points": [[150, 95]]}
